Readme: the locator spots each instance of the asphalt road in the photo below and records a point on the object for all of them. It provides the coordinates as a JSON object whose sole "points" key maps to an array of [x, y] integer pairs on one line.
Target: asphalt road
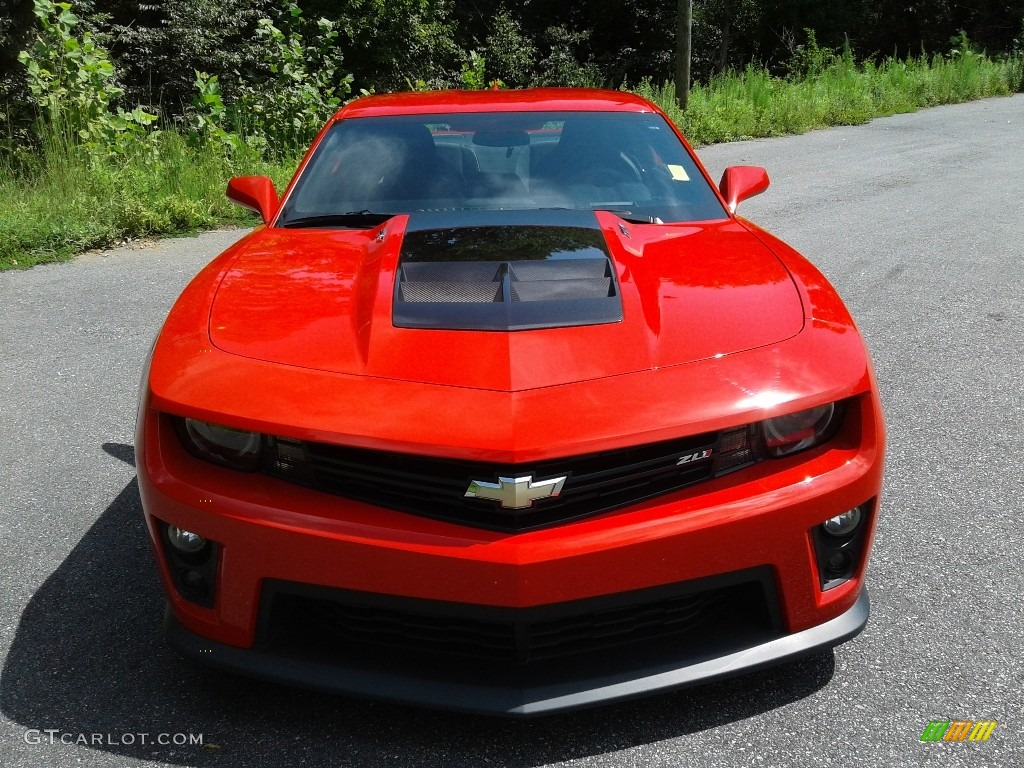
{"points": [[917, 219]]}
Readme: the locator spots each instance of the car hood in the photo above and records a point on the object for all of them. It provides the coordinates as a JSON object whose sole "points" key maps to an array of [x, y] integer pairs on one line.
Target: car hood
{"points": [[329, 300]]}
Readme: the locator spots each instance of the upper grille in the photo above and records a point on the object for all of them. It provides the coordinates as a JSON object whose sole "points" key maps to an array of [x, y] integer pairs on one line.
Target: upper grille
{"points": [[436, 488]]}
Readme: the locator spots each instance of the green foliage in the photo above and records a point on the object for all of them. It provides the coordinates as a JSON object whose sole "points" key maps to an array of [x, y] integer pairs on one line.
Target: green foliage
{"points": [[73, 83], [71, 201], [209, 115], [245, 87], [510, 53], [563, 66], [158, 46], [305, 85], [69, 76], [753, 103], [810, 60], [389, 43], [1015, 60], [17, 114], [560, 59], [474, 77], [114, 175]]}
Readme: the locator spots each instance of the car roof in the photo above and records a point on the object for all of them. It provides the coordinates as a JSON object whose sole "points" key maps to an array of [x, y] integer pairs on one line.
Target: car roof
{"points": [[533, 99]]}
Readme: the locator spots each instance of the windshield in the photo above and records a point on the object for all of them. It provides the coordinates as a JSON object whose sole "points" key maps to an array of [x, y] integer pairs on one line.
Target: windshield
{"points": [[631, 163]]}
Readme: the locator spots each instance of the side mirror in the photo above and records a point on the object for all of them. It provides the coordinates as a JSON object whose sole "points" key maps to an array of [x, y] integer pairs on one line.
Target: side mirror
{"points": [[256, 193], [742, 181]]}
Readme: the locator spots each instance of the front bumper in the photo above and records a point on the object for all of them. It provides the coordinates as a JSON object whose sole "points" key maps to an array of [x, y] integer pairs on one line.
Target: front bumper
{"points": [[528, 698], [756, 521]]}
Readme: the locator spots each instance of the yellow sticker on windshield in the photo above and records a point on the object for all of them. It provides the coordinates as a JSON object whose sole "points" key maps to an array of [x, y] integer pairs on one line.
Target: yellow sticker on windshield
{"points": [[678, 173]]}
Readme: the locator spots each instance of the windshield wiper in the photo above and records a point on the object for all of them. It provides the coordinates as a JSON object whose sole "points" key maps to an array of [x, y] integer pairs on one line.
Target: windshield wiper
{"points": [[622, 213], [631, 217], [351, 220]]}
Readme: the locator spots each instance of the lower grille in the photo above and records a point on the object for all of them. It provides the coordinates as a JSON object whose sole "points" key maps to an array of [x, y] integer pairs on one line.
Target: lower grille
{"points": [[304, 621]]}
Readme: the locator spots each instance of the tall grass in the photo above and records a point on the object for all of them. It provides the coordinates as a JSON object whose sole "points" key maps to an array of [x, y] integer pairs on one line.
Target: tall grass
{"points": [[68, 198], [752, 103]]}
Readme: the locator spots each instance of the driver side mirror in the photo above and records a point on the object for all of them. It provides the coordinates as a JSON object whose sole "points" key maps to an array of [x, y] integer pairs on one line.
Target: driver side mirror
{"points": [[256, 193], [742, 181]]}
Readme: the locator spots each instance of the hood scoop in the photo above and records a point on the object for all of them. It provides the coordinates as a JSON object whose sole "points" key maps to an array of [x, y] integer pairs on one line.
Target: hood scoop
{"points": [[498, 278]]}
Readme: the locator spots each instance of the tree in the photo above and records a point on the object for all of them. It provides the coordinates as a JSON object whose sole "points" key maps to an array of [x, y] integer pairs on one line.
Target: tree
{"points": [[159, 47], [389, 44], [684, 27], [17, 24]]}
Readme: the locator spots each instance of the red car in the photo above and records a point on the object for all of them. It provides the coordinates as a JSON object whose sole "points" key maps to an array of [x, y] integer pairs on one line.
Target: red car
{"points": [[503, 409]]}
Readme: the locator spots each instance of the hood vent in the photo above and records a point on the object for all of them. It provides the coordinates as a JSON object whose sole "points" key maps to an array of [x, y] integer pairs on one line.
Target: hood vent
{"points": [[567, 285]]}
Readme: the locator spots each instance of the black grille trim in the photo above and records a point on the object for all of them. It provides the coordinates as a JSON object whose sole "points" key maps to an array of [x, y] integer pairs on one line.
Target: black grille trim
{"points": [[434, 487], [307, 621]]}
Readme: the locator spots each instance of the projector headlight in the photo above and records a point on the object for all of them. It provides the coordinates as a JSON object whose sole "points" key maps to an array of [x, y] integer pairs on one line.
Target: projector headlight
{"points": [[799, 431], [234, 448]]}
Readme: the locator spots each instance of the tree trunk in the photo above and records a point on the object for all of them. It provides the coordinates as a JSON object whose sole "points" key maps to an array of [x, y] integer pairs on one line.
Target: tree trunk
{"points": [[684, 23], [723, 48]]}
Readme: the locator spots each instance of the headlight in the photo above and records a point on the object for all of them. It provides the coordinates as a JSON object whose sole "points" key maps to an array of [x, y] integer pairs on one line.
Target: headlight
{"points": [[799, 431], [228, 447]]}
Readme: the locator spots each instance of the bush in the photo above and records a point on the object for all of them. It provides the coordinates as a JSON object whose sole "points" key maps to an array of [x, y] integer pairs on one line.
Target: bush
{"points": [[73, 83], [304, 86], [563, 66], [509, 52], [158, 47]]}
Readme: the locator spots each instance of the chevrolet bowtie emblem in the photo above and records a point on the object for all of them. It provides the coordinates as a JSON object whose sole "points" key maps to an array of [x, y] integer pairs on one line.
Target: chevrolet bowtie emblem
{"points": [[516, 492]]}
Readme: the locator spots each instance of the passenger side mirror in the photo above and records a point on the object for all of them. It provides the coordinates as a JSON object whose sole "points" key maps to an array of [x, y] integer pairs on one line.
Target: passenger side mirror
{"points": [[742, 181]]}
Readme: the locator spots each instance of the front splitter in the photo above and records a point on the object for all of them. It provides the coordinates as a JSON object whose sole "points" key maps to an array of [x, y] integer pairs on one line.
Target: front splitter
{"points": [[603, 687]]}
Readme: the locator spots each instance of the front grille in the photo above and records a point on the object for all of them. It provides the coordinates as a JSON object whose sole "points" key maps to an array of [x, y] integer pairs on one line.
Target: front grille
{"points": [[436, 488], [312, 621]]}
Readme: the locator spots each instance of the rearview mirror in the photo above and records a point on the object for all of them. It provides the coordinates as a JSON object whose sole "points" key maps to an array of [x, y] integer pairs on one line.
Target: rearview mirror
{"points": [[742, 181], [501, 138], [256, 193]]}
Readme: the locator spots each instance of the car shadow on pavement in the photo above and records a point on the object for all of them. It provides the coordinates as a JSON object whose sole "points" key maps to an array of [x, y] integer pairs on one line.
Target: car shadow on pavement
{"points": [[88, 660]]}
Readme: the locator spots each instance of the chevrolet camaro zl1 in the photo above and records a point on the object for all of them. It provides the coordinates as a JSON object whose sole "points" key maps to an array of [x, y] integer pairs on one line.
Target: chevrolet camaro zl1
{"points": [[503, 409]]}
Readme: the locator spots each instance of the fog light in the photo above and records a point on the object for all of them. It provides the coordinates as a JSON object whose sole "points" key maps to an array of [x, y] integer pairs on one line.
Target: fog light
{"points": [[844, 524], [194, 581], [185, 541], [838, 563]]}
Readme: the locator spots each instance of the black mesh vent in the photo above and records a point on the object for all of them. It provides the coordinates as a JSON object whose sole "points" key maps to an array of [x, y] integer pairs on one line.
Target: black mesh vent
{"points": [[561, 290], [436, 488], [440, 292], [505, 278]]}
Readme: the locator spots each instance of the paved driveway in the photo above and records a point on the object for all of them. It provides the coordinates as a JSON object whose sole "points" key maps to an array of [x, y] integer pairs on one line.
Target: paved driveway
{"points": [[917, 219]]}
